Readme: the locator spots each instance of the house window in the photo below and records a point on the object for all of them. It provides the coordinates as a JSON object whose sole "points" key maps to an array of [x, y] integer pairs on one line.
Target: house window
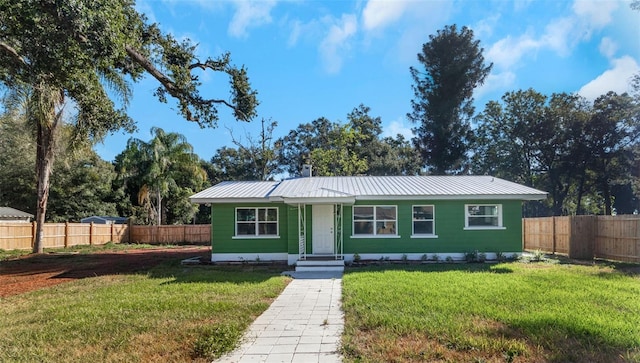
{"points": [[423, 220], [256, 222], [485, 216], [375, 220]]}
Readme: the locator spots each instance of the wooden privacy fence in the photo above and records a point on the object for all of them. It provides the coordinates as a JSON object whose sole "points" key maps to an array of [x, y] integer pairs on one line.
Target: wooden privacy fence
{"points": [[189, 233], [20, 236], [585, 237]]}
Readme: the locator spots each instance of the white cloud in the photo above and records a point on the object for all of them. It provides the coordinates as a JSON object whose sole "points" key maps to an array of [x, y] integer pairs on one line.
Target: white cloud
{"points": [[608, 47], [562, 35], [596, 13], [250, 14], [495, 82], [565, 33], [507, 52], [484, 28], [397, 127], [337, 42], [379, 13], [614, 79]]}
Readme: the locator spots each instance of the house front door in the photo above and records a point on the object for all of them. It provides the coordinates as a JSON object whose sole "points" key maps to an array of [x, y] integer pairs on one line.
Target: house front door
{"points": [[322, 229]]}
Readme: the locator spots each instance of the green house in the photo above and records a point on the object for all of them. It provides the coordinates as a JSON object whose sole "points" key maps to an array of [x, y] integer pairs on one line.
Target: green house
{"points": [[308, 219]]}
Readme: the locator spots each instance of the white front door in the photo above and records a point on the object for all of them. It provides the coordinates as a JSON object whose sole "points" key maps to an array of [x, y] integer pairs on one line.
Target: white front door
{"points": [[322, 229]]}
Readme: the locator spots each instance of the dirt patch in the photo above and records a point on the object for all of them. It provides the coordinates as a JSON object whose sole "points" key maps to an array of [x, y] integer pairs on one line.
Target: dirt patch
{"points": [[34, 272]]}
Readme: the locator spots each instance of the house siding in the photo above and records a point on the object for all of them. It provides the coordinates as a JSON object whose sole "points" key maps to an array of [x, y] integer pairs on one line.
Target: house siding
{"points": [[449, 227], [452, 237]]}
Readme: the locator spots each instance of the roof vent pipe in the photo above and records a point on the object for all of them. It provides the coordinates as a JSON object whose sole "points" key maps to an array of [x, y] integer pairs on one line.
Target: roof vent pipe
{"points": [[306, 171]]}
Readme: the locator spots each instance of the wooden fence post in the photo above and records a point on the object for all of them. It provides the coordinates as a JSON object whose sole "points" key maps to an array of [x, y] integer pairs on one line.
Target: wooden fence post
{"points": [[66, 234], [112, 239], [34, 226], [553, 233], [91, 234]]}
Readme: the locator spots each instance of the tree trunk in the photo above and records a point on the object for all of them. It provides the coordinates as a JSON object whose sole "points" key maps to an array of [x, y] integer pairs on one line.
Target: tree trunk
{"points": [[47, 121], [159, 207]]}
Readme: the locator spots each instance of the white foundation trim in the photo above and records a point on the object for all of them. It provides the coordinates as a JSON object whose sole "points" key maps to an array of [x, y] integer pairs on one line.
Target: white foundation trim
{"points": [[418, 256], [248, 257]]}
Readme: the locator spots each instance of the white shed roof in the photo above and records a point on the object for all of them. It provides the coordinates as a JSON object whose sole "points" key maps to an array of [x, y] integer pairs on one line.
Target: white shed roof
{"points": [[350, 188]]}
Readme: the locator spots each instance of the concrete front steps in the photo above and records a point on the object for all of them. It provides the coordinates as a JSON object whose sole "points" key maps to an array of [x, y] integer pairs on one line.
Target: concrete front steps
{"points": [[315, 264]]}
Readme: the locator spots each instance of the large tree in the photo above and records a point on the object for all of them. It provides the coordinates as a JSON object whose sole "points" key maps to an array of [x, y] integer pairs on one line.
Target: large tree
{"points": [[535, 140], [612, 134], [452, 67], [75, 49], [160, 170], [355, 147]]}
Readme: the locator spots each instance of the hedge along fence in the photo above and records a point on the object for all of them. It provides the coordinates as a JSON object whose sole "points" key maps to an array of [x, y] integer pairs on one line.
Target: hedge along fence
{"points": [[585, 237], [20, 236]]}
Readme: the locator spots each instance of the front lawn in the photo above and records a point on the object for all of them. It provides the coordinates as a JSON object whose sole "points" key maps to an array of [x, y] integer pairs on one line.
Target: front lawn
{"points": [[171, 313], [513, 312]]}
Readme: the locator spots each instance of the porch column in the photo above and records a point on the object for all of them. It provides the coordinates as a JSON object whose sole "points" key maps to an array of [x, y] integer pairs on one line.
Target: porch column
{"points": [[302, 231]]}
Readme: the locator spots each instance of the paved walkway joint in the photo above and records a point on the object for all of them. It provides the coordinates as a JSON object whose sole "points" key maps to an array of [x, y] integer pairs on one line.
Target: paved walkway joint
{"points": [[304, 324]]}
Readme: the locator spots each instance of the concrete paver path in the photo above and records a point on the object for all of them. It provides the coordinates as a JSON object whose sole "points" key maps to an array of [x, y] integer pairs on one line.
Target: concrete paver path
{"points": [[304, 324]]}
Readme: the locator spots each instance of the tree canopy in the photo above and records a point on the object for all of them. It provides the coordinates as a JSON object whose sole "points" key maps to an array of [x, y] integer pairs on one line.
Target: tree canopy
{"points": [[452, 66], [80, 50]]}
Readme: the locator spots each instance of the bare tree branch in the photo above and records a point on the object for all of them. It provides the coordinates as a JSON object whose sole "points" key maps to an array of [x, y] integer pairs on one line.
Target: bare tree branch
{"points": [[12, 52]]}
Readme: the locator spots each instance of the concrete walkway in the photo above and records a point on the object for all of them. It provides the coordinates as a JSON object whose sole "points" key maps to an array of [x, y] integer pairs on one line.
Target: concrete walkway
{"points": [[304, 324]]}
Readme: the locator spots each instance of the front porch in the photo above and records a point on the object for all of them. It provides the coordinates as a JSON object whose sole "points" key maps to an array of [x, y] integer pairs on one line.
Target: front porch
{"points": [[321, 248]]}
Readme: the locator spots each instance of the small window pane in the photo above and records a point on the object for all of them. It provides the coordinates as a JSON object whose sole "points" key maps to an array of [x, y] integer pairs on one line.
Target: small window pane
{"points": [[386, 228], [245, 229], [386, 213], [245, 215], [483, 221], [267, 229], [267, 214], [483, 210], [423, 227], [363, 227], [423, 212], [363, 213], [272, 214]]}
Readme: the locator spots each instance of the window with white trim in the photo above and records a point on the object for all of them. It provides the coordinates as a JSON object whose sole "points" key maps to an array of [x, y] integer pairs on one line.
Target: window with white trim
{"points": [[423, 220], [375, 220], [483, 216], [259, 222]]}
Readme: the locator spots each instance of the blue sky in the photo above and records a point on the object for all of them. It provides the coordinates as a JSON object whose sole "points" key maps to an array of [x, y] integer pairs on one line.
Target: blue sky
{"points": [[311, 59]]}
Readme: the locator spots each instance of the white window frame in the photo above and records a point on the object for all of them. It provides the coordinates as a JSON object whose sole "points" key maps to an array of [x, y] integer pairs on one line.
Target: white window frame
{"points": [[374, 221], [433, 222], [256, 224], [466, 216]]}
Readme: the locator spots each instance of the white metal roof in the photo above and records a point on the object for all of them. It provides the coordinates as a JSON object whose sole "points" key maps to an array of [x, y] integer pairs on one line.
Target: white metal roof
{"points": [[347, 189], [235, 191]]}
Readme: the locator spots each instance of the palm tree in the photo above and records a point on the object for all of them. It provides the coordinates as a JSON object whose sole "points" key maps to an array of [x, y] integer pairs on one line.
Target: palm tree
{"points": [[160, 165]]}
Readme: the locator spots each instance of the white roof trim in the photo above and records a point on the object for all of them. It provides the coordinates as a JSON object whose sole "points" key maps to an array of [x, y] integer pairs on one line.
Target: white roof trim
{"points": [[453, 197], [228, 200], [320, 200]]}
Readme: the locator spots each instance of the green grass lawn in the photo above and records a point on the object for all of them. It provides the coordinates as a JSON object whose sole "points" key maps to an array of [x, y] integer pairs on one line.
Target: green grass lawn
{"points": [[171, 313], [536, 312]]}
